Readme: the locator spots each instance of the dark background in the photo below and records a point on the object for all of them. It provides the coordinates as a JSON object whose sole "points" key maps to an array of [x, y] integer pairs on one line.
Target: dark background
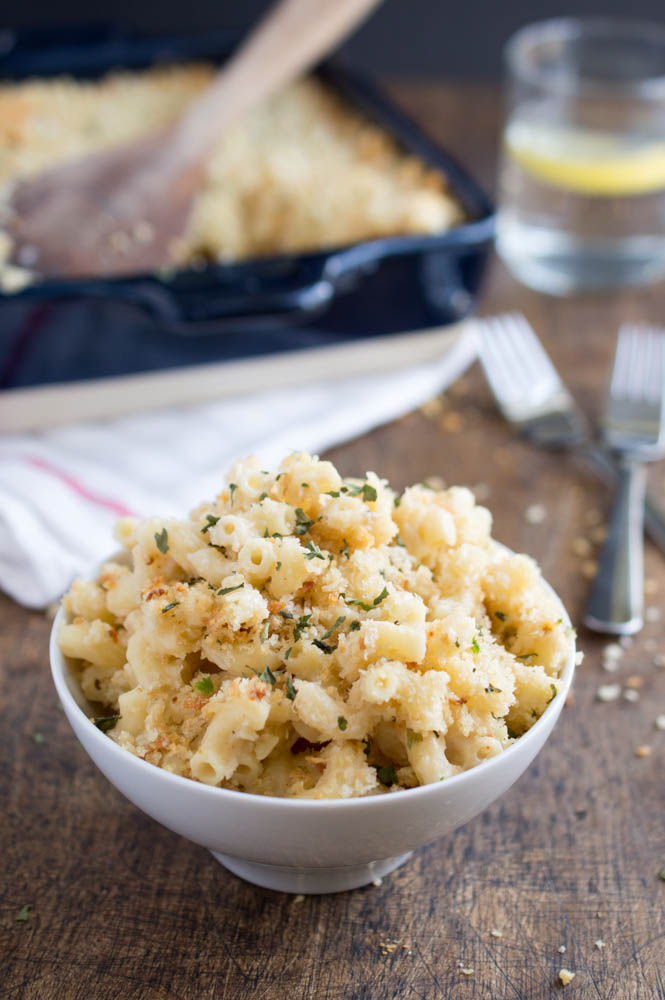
{"points": [[404, 38]]}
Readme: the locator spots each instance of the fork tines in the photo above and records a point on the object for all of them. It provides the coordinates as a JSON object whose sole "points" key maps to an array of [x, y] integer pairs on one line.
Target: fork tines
{"points": [[635, 414], [519, 371]]}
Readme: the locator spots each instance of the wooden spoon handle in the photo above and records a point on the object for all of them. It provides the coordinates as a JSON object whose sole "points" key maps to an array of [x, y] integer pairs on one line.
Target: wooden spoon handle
{"points": [[289, 40]]}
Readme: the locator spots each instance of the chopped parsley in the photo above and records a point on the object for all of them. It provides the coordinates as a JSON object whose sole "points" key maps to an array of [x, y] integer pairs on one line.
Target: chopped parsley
{"points": [[162, 541], [313, 551], [300, 626], [501, 615], [553, 695], [344, 551], [268, 676], [264, 496], [265, 630], [232, 488], [342, 723], [324, 646], [303, 523], [397, 501], [332, 493], [386, 775], [413, 737], [169, 607], [368, 607], [366, 491], [367, 746], [492, 690], [525, 656], [38, 737], [286, 614], [661, 874], [205, 686], [212, 521], [106, 723], [229, 590], [475, 648], [291, 692], [24, 913], [354, 626], [278, 564], [340, 621], [288, 652]]}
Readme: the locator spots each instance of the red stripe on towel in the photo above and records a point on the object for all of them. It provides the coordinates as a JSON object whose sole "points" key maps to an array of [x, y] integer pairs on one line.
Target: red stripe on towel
{"points": [[82, 491]]}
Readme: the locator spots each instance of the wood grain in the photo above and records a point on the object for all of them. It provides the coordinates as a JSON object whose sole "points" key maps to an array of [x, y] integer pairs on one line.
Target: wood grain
{"points": [[121, 908]]}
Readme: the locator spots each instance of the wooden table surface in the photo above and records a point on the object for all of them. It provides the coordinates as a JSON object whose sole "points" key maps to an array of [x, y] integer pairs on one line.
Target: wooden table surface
{"points": [[569, 857]]}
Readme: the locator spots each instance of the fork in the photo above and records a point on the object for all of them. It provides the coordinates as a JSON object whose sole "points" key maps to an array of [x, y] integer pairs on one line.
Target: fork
{"points": [[532, 397], [634, 431]]}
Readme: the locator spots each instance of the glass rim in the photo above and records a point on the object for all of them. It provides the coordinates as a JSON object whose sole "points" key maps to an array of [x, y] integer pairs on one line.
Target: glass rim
{"points": [[567, 29]]}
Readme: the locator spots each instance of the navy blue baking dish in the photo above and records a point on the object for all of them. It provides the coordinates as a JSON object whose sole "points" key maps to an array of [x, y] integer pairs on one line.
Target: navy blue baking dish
{"points": [[51, 331]]}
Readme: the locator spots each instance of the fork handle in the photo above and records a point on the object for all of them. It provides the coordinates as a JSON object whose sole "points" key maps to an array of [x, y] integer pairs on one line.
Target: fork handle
{"points": [[617, 595], [601, 462]]}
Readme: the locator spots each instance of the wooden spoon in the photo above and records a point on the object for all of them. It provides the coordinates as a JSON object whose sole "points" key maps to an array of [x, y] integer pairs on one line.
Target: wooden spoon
{"points": [[119, 212]]}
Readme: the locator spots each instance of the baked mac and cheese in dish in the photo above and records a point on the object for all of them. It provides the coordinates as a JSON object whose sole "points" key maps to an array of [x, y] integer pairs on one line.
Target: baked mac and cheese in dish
{"points": [[310, 636]]}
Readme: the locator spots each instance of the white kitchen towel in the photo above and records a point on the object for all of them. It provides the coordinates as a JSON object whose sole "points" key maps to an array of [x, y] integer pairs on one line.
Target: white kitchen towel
{"points": [[61, 490]]}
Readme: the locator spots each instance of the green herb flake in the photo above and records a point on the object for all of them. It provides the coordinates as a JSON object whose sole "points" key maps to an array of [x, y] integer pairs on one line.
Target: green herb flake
{"points": [[205, 686], [344, 551], [212, 521], [264, 496], [229, 590], [490, 689], [268, 677], [278, 564], [232, 488], [313, 551], [368, 607], [354, 626], [291, 692], [169, 607], [661, 874], [413, 738], [106, 723], [386, 775], [162, 541], [475, 648], [501, 615], [397, 501], [367, 746], [265, 630], [342, 723], [554, 691], [286, 614], [38, 737], [23, 914], [340, 621], [525, 656], [332, 493], [300, 626], [288, 652], [324, 646], [303, 523]]}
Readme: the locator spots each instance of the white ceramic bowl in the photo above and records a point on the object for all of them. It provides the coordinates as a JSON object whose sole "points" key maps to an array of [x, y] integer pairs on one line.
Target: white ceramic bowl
{"points": [[296, 845]]}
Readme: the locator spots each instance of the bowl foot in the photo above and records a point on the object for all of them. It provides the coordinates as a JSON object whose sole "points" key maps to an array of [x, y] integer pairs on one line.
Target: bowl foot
{"points": [[310, 881]]}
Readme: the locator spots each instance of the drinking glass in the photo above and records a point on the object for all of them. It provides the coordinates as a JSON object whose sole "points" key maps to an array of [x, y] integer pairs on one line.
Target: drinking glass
{"points": [[582, 175]]}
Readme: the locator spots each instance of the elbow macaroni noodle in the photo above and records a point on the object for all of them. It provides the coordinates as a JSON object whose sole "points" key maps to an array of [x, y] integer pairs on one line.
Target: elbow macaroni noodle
{"points": [[308, 636]]}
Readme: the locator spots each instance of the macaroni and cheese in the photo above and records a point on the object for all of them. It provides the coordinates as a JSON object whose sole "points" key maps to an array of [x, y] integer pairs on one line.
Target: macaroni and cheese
{"points": [[311, 636]]}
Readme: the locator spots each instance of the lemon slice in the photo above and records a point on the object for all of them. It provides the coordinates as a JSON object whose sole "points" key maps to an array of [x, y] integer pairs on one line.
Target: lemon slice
{"points": [[591, 163]]}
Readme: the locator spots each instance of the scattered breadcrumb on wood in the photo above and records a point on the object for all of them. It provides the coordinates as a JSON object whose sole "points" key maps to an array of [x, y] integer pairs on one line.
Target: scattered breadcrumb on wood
{"points": [[466, 970], [631, 695], [535, 513], [599, 944], [589, 568], [299, 899], [496, 933], [562, 949], [566, 976], [608, 692], [660, 722], [643, 751], [653, 614], [582, 547]]}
